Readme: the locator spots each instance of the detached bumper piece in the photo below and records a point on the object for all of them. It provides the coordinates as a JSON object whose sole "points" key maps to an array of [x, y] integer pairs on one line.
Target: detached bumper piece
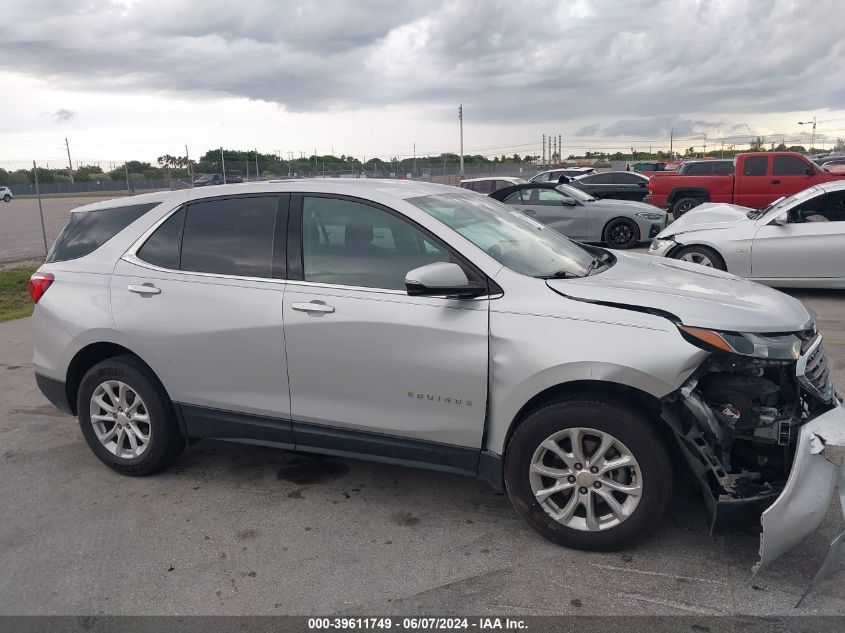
{"points": [[818, 469]]}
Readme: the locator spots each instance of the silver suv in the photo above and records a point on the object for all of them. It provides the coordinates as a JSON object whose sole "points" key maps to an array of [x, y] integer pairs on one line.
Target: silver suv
{"points": [[424, 325]]}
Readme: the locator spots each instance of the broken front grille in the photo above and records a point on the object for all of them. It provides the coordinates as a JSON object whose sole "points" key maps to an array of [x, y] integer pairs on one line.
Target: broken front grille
{"points": [[814, 373]]}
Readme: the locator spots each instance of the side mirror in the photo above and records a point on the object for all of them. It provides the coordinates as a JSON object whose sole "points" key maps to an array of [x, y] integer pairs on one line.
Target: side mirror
{"points": [[441, 278], [810, 171], [781, 219], [567, 201]]}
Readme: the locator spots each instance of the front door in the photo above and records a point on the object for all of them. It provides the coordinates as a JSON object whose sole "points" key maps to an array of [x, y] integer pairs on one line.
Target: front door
{"points": [[809, 246], [546, 205], [373, 370]]}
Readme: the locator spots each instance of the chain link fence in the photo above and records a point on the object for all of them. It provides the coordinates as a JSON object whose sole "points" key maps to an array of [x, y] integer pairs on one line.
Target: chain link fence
{"points": [[36, 196]]}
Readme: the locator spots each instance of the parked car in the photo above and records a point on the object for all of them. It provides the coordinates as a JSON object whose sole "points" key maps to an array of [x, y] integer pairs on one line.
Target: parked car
{"points": [[837, 159], [490, 184], [619, 185], [582, 217], [795, 242], [207, 180], [758, 179], [644, 166], [562, 174], [421, 325], [6, 194]]}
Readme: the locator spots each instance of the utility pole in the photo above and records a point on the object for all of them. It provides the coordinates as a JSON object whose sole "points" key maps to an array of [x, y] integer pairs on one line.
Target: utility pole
{"points": [[40, 210], [544, 151], [415, 160], [256, 163], [461, 122], [704, 155], [559, 151], [671, 142], [190, 171], [70, 164], [223, 162]]}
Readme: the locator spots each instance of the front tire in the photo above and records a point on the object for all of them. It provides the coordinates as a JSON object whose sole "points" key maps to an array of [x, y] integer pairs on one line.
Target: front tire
{"points": [[126, 417], [588, 474], [701, 255], [6, 198], [621, 233]]}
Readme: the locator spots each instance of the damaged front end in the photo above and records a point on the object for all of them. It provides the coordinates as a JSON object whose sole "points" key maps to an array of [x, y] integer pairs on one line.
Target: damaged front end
{"points": [[764, 433]]}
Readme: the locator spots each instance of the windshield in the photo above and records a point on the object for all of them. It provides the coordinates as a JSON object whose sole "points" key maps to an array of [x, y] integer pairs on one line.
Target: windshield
{"points": [[781, 203], [574, 192], [511, 238]]}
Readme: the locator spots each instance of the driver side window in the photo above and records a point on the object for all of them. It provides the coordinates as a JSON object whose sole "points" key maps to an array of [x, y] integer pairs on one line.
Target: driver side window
{"points": [[548, 197], [353, 244], [828, 207]]}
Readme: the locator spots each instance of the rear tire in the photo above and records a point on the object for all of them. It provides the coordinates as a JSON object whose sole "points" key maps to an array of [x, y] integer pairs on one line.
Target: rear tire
{"points": [[628, 435], [126, 417], [702, 255], [6, 198], [621, 233], [682, 205]]}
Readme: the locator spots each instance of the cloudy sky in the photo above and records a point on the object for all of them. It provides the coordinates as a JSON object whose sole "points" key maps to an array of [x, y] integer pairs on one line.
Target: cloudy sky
{"points": [[137, 79]]}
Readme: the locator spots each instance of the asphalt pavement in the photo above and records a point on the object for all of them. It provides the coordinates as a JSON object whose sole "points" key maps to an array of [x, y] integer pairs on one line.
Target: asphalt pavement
{"points": [[234, 529]]}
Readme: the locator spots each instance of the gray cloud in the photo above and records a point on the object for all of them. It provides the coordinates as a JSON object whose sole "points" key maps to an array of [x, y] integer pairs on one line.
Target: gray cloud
{"points": [[643, 62], [61, 115]]}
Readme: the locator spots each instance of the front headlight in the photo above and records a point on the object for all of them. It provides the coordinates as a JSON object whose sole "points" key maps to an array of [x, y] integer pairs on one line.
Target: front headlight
{"points": [[660, 245], [778, 347], [649, 216]]}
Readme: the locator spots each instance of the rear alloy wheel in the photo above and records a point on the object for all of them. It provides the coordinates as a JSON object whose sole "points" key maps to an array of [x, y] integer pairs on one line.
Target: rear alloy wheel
{"points": [[7, 197], [702, 256], [683, 205], [126, 417], [622, 233], [588, 474]]}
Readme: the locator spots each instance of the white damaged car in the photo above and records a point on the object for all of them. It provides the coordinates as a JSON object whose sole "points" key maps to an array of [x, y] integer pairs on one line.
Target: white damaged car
{"points": [[794, 242]]}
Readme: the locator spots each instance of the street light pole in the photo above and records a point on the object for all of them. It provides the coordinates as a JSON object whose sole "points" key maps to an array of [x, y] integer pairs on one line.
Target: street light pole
{"points": [[813, 123], [461, 121]]}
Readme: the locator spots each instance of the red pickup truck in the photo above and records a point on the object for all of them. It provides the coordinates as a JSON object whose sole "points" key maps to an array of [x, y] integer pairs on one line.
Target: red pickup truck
{"points": [[758, 179]]}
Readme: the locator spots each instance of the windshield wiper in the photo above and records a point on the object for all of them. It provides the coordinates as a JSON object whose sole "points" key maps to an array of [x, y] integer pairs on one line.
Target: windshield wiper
{"points": [[561, 274]]}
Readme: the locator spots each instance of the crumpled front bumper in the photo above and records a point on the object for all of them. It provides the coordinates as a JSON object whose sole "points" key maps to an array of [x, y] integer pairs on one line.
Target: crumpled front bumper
{"points": [[818, 468]]}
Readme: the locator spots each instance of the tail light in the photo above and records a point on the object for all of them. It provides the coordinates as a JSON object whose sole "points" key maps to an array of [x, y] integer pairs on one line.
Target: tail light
{"points": [[38, 285], [651, 184]]}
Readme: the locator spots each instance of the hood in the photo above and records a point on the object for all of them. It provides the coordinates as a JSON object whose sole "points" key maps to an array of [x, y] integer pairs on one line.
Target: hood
{"points": [[698, 296], [625, 206], [708, 216]]}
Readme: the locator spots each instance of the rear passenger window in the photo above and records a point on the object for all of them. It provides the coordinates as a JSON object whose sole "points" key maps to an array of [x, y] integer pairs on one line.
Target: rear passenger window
{"points": [[230, 237], [699, 169], [724, 169], [756, 166], [87, 231], [162, 247]]}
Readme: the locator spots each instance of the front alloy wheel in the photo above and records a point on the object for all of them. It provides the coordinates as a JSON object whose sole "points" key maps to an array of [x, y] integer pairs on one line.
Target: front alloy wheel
{"points": [[622, 233], [585, 479], [589, 473]]}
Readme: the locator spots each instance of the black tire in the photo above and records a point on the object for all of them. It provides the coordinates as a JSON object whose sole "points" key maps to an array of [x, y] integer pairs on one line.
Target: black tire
{"points": [[682, 205], [621, 233], [7, 197], [165, 440], [697, 251], [627, 426]]}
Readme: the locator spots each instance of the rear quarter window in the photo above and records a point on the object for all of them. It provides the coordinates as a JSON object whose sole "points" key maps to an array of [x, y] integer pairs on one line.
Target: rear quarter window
{"points": [[86, 231]]}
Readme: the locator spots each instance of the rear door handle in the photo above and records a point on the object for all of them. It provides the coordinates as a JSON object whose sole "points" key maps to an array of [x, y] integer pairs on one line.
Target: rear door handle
{"points": [[145, 289], [530, 212], [776, 182], [312, 306]]}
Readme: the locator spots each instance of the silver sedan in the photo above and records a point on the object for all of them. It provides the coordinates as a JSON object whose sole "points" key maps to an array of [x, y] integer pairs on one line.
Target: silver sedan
{"points": [[580, 216], [794, 242]]}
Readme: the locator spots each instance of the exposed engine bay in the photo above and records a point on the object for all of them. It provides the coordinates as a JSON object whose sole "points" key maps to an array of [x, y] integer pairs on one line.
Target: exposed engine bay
{"points": [[737, 419]]}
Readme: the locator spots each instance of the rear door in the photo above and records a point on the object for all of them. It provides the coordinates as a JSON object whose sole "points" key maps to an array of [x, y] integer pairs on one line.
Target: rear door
{"points": [[751, 183], [810, 246], [630, 186], [598, 185], [201, 300]]}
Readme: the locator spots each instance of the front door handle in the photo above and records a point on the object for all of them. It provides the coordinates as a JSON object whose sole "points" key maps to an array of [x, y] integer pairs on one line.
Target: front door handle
{"points": [[776, 182], [530, 212], [312, 306], [145, 289]]}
